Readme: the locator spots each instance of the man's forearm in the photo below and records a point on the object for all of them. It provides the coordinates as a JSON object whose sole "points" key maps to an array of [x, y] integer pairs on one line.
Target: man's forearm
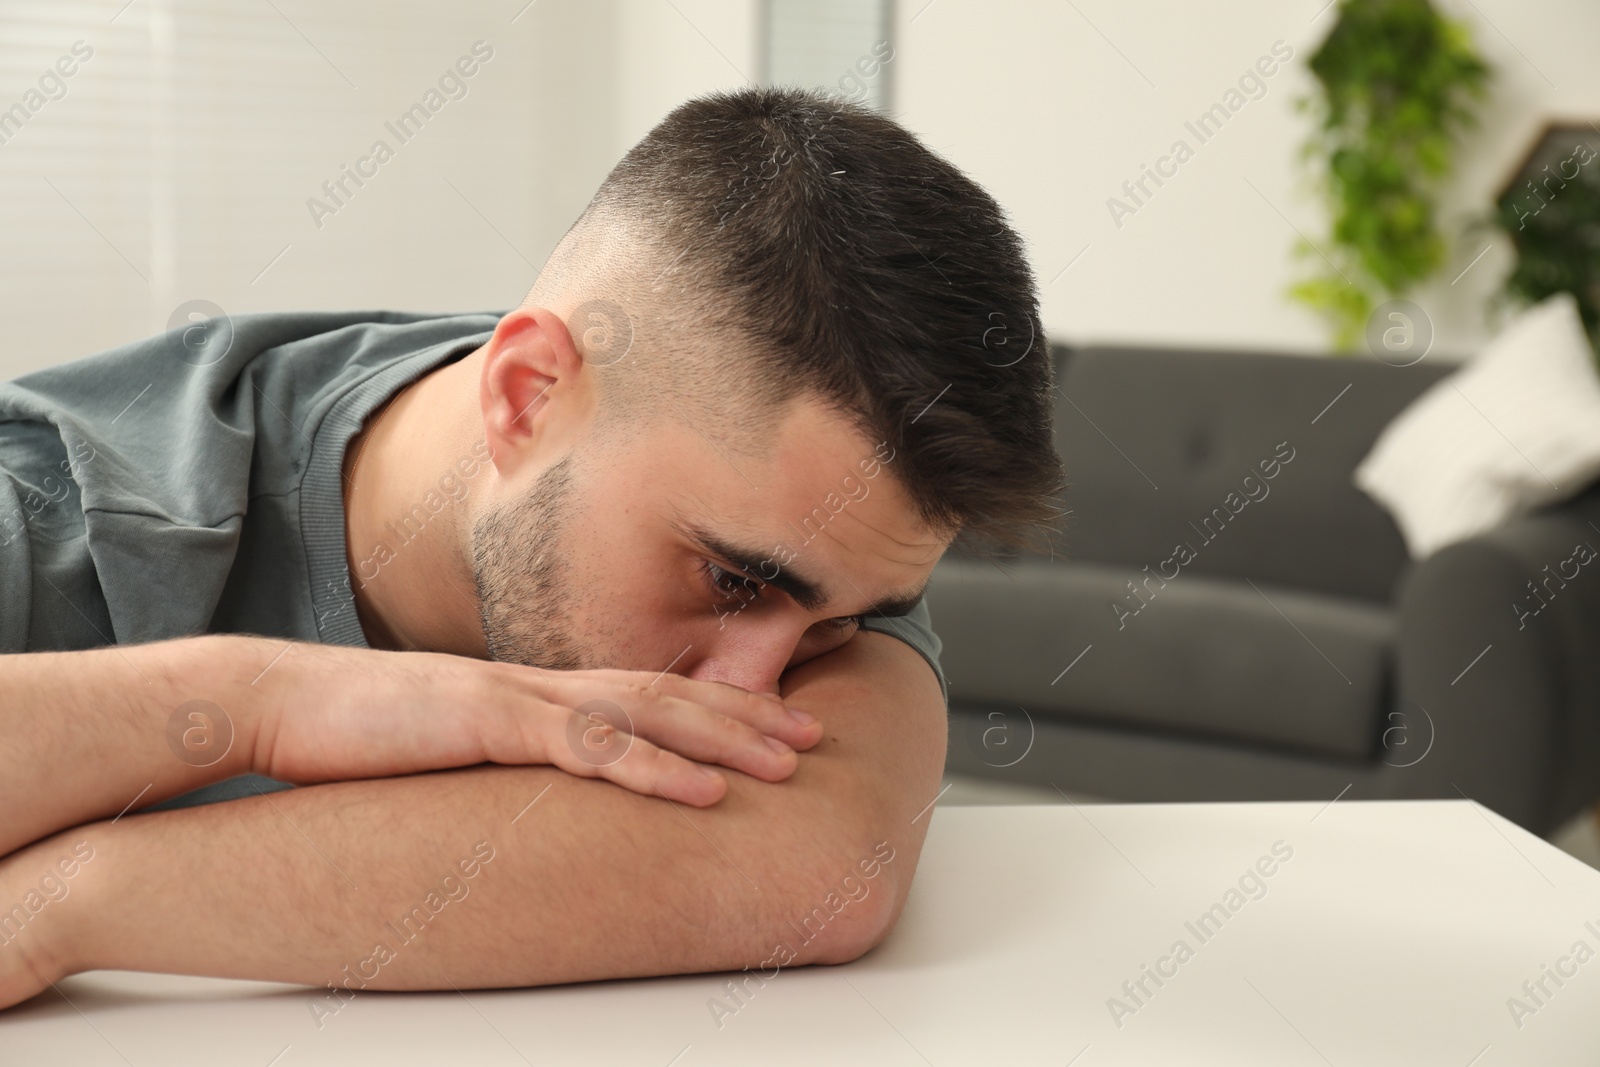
{"points": [[570, 879], [86, 733]]}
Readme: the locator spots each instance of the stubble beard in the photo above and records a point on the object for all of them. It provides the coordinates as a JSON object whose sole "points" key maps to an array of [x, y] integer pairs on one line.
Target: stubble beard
{"points": [[524, 598]]}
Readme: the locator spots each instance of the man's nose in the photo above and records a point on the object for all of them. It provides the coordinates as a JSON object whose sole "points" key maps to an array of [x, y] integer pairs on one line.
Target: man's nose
{"points": [[756, 677], [753, 661]]}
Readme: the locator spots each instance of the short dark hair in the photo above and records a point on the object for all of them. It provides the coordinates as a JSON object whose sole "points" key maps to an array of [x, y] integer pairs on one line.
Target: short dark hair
{"points": [[863, 268]]}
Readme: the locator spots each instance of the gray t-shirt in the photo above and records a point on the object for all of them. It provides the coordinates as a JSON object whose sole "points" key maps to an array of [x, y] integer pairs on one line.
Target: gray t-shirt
{"points": [[190, 482]]}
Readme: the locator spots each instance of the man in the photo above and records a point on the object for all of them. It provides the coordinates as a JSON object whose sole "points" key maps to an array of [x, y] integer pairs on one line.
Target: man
{"points": [[671, 511]]}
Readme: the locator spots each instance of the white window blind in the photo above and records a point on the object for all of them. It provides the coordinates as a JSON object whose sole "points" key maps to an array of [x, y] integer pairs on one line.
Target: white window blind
{"points": [[183, 157]]}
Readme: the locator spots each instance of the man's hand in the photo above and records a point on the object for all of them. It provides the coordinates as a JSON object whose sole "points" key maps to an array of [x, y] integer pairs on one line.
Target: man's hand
{"points": [[91, 734], [354, 713], [35, 884], [587, 881]]}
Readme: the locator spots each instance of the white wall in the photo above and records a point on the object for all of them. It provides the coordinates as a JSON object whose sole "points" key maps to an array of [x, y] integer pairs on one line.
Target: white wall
{"points": [[1052, 110], [669, 52]]}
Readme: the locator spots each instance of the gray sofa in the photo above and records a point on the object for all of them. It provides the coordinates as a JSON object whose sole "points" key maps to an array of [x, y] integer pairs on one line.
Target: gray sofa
{"points": [[1293, 650]]}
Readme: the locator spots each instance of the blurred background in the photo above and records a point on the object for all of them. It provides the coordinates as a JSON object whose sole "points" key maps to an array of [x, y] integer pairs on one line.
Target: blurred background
{"points": [[179, 161], [159, 152]]}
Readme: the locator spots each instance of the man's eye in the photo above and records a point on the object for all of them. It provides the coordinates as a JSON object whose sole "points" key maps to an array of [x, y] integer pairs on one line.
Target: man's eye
{"points": [[846, 623], [729, 584]]}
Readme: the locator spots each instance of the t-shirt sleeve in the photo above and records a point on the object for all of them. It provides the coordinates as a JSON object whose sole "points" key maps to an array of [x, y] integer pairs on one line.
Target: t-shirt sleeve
{"points": [[16, 570], [246, 785], [916, 630]]}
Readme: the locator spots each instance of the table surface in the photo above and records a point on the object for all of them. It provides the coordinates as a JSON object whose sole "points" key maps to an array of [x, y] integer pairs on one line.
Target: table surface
{"points": [[1386, 933]]}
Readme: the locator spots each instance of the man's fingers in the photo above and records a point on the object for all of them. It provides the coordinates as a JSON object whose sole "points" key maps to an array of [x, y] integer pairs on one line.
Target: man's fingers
{"points": [[637, 765], [763, 711], [711, 737], [600, 732], [638, 692]]}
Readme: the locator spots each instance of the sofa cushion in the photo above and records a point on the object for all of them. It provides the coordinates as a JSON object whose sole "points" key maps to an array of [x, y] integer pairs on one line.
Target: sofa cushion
{"points": [[1517, 428], [1204, 655]]}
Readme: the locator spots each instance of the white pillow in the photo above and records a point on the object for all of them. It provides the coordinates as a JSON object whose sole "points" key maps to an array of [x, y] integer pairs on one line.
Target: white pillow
{"points": [[1517, 427]]}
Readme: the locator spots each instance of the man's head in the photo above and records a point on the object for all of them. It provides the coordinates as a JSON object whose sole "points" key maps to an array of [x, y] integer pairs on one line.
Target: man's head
{"points": [[784, 358]]}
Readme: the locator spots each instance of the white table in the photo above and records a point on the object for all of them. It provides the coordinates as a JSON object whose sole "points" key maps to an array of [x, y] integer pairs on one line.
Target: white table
{"points": [[1395, 934]]}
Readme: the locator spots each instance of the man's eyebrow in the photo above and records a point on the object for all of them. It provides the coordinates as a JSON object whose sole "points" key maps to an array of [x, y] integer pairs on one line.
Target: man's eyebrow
{"points": [[805, 592]]}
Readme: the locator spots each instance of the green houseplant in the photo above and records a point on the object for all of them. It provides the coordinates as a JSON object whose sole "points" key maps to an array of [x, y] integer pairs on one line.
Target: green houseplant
{"points": [[1550, 211], [1397, 82]]}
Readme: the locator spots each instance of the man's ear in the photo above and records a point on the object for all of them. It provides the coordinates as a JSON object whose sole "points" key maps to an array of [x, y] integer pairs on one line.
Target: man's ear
{"points": [[534, 390]]}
